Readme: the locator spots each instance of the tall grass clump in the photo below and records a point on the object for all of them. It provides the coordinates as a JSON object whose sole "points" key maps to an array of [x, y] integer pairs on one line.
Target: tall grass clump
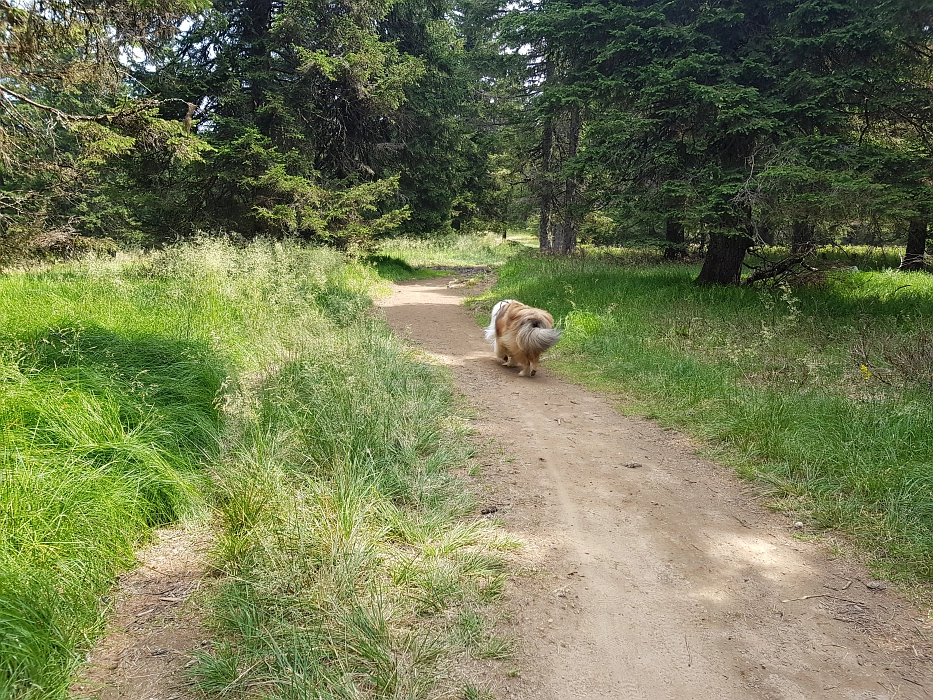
{"points": [[113, 379], [346, 552], [822, 391]]}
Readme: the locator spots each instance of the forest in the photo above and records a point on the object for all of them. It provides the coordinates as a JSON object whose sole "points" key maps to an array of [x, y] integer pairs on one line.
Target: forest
{"points": [[714, 127]]}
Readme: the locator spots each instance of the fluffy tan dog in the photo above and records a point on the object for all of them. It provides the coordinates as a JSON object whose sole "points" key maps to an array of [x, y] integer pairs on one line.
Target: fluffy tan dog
{"points": [[519, 334]]}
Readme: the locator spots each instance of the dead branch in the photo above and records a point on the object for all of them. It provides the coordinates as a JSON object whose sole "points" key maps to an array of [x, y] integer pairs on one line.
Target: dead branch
{"points": [[788, 267], [106, 117]]}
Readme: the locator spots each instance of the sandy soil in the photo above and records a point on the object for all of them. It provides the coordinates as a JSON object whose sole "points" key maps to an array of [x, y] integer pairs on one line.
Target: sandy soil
{"points": [[649, 572]]}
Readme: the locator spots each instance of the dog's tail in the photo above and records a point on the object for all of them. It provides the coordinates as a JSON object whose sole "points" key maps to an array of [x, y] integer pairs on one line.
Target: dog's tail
{"points": [[534, 338]]}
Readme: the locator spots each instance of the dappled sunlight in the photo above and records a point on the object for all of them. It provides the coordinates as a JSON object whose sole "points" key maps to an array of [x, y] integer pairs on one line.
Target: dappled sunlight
{"points": [[752, 551], [452, 295], [460, 360], [733, 557]]}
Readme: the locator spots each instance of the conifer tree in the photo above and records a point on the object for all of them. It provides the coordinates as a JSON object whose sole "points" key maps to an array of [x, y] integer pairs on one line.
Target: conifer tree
{"points": [[733, 118], [322, 112], [67, 108]]}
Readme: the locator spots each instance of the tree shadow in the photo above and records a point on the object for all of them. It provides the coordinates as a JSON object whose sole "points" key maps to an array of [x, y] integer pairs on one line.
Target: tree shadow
{"points": [[170, 386]]}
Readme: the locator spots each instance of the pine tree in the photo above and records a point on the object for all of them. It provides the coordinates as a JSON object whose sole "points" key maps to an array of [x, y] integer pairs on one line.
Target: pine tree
{"points": [[303, 101], [744, 118]]}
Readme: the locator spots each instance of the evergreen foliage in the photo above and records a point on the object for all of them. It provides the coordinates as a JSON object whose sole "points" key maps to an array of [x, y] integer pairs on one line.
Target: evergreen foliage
{"points": [[719, 126], [334, 122], [735, 120], [68, 108]]}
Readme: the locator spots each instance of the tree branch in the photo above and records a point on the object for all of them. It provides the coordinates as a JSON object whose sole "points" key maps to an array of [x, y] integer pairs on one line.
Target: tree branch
{"points": [[63, 116], [99, 118]]}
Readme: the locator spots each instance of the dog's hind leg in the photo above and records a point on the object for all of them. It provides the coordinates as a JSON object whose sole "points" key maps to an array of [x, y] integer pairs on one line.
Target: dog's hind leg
{"points": [[501, 354], [531, 368]]}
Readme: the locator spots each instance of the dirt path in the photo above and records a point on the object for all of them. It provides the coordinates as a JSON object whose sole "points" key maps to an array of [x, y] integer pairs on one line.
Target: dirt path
{"points": [[155, 627], [653, 573]]}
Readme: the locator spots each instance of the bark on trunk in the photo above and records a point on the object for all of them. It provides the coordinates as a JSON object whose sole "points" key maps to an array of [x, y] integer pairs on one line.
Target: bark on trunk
{"points": [[724, 257], [766, 233], [801, 235], [674, 237], [257, 23], [915, 255], [544, 225], [547, 196], [570, 226]]}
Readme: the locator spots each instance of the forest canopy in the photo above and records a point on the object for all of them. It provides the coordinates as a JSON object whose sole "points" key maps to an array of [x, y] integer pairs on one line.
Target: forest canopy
{"points": [[721, 126]]}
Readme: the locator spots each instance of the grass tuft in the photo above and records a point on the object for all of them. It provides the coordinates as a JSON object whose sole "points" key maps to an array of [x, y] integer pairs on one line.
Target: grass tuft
{"points": [[343, 545], [105, 418]]}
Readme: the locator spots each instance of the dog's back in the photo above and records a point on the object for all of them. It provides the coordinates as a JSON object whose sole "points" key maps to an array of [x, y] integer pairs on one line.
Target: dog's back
{"points": [[496, 310]]}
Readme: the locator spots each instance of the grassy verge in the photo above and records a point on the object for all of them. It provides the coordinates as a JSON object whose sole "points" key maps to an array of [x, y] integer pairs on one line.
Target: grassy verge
{"points": [[823, 392], [134, 393], [107, 409], [454, 251], [351, 568]]}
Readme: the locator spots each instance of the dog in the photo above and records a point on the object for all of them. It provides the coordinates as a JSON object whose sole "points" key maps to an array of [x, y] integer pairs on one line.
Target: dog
{"points": [[519, 334]]}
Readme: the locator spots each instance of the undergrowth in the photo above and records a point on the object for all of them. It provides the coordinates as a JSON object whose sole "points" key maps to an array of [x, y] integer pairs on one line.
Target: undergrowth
{"points": [[347, 554], [453, 251]]}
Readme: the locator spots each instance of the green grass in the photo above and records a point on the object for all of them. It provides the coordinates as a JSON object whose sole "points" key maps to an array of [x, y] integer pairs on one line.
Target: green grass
{"points": [[823, 392], [253, 386], [864, 257], [207, 379], [455, 250], [395, 269], [107, 408], [346, 549]]}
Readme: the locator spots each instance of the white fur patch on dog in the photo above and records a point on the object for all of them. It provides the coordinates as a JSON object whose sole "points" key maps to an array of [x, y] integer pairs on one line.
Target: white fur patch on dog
{"points": [[491, 328]]}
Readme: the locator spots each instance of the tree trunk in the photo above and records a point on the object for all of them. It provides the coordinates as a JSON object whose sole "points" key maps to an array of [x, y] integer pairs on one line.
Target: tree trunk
{"points": [[257, 21], [547, 196], [766, 233], [674, 237], [915, 255], [544, 224], [557, 235], [570, 228], [801, 236], [724, 257]]}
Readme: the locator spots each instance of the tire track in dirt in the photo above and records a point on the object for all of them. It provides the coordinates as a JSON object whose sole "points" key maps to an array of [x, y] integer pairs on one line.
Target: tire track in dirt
{"points": [[649, 572]]}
